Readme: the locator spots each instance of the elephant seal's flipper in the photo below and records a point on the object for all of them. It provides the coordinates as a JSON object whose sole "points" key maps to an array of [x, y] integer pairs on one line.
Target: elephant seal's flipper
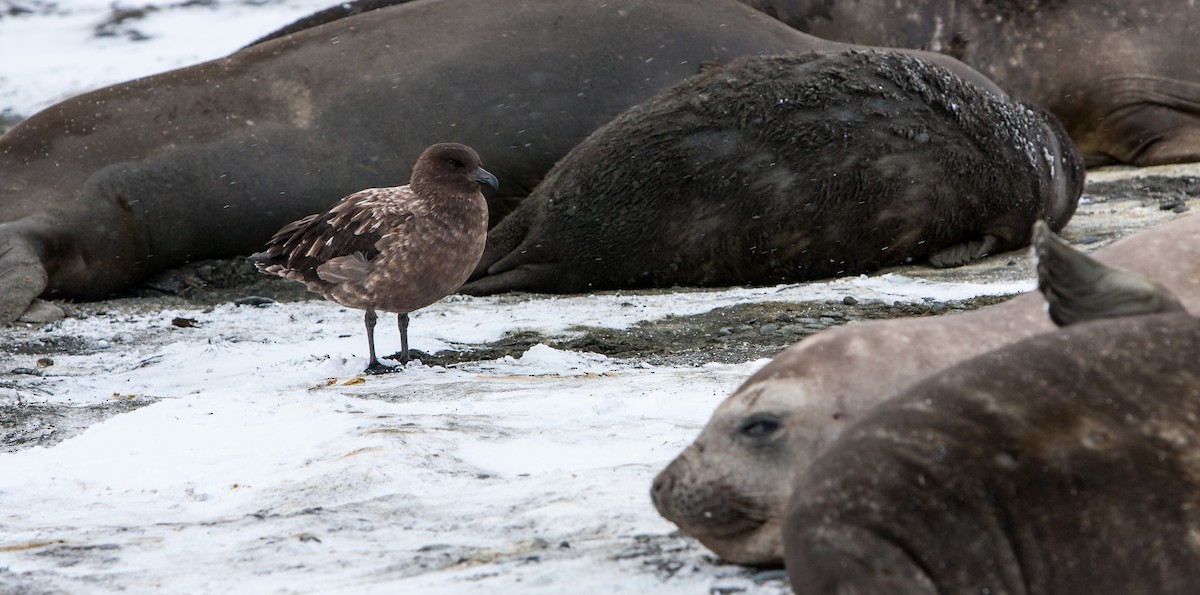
{"points": [[964, 253], [513, 262], [1148, 120], [22, 275], [1079, 288], [526, 277]]}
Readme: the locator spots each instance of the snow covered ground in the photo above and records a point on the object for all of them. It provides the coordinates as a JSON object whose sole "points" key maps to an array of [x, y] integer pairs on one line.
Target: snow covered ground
{"points": [[263, 461], [245, 454], [54, 49]]}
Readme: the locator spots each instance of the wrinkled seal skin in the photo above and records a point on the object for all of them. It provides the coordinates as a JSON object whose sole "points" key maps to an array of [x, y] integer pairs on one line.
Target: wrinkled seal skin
{"points": [[1066, 463], [101, 190], [789, 168], [1122, 76], [741, 467]]}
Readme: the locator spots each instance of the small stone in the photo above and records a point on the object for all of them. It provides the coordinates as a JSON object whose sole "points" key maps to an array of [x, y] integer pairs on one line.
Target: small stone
{"points": [[849, 300], [254, 300], [41, 311], [725, 590], [767, 576], [767, 329]]}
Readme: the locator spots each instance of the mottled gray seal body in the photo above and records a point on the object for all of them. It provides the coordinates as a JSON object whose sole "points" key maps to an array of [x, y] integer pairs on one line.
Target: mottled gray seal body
{"points": [[101, 190], [1064, 463], [789, 168], [1121, 76], [742, 465]]}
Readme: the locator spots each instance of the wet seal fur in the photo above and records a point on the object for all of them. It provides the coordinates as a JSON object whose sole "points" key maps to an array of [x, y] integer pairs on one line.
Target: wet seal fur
{"points": [[742, 465], [102, 190], [1065, 463], [1122, 77], [789, 168]]}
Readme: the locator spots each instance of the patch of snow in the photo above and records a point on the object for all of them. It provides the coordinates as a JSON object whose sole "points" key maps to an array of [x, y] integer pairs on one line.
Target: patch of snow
{"points": [[269, 457], [53, 53]]}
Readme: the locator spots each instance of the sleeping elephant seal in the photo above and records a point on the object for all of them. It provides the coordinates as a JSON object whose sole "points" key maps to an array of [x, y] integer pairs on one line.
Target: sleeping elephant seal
{"points": [[1065, 463], [730, 487], [1122, 76], [101, 190], [789, 168]]}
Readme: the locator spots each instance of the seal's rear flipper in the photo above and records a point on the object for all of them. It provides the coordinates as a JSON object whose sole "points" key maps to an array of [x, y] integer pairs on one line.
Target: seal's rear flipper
{"points": [[964, 253], [503, 239], [525, 277], [1078, 288], [22, 275], [1148, 120]]}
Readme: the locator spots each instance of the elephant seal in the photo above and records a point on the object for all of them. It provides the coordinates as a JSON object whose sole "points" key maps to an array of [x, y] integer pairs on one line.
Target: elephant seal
{"points": [[1064, 463], [730, 487], [777, 169], [106, 188], [1121, 76]]}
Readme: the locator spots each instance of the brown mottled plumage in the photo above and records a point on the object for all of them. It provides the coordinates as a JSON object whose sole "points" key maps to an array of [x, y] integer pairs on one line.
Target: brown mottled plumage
{"points": [[393, 249]]}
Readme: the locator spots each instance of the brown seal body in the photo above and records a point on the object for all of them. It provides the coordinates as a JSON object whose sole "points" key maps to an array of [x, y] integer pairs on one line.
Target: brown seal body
{"points": [[1121, 76], [788, 168], [101, 190], [396, 249], [1064, 463], [741, 467]]}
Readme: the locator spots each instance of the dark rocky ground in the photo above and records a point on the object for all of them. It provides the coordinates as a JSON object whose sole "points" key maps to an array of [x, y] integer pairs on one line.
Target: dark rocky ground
{"points": [[729, 334]]}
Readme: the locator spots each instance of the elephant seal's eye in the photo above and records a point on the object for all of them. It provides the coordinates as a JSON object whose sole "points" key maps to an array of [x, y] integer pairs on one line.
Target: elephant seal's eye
{"points": [[759, 427]]}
